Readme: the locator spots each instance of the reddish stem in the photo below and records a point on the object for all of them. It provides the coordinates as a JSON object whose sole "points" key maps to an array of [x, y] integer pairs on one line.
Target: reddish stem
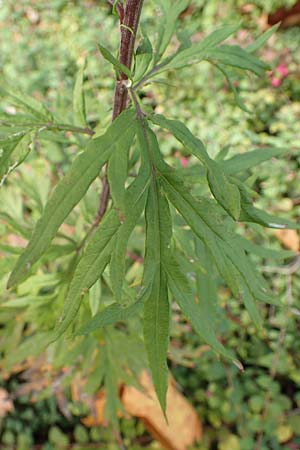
{"points": [[128, 27]]}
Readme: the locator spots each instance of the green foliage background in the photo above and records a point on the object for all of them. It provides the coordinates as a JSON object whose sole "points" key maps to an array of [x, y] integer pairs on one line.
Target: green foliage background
{"points": [[42, 58]]}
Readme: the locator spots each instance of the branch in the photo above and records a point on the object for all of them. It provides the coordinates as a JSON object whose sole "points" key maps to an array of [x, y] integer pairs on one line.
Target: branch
{"points": [[128, 29]]}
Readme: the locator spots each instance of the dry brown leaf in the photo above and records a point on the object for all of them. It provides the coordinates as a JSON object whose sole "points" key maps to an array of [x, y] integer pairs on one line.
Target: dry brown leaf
{"points": [[95, 403], [6, 404], [97, 406], [184, 427], [289, 238]]}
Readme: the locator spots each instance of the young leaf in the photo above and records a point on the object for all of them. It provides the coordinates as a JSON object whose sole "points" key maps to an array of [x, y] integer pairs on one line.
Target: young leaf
{"points": [[79, 99], [225, 192], [72, 188], [143, 58], [115, 62]]}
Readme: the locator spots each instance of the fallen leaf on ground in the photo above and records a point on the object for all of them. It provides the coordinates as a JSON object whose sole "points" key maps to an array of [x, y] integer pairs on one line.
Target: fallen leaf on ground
{"points": [[289, 238], [95, 403], [183, 428], [97, 406], [6, 404]]}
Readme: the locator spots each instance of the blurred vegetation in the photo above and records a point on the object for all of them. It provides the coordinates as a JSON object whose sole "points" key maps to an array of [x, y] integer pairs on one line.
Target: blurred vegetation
{"points": [[42, 46]]}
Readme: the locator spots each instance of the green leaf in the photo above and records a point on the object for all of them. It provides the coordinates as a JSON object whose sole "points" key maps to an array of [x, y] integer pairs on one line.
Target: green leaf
{"points": [[235, 56], [248, 160], [135, 199], [226, 193], [222, 153], [260, 42], [79, 99], [143, 58], [157, 309], [13, 154], [197, 52], [112, 403], [110, 315], [27, 103], [250, 213], [117, 65], [98, 253], [114, 7], [251, 307], [200, 313], [157, 243], [156, 334], [117, 175], [72, 188], [95, 297], [168, 24], [88, 270], [95, 378], [16, 225], [263, 252], [208, 224], [237, 97], [32, 346]]}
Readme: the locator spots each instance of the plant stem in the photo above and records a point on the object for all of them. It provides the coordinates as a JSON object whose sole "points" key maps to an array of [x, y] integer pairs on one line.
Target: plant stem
{"points": [[128, 28]]}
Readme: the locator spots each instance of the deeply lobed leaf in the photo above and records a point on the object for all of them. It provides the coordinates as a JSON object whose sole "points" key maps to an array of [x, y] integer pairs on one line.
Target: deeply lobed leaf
{"points": [[226, 193], [71, 189]]}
